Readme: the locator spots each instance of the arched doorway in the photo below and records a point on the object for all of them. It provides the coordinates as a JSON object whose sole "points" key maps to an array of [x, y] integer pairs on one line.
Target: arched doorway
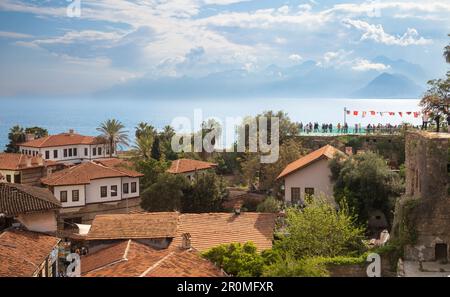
{"points": [[441, 252]]}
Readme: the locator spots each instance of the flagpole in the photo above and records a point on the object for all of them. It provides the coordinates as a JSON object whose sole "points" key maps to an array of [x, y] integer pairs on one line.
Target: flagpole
{"points": [[345, 115]]}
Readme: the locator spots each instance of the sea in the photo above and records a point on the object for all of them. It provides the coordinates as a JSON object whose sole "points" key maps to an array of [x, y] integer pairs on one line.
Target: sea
{"points": [[85, 115]]}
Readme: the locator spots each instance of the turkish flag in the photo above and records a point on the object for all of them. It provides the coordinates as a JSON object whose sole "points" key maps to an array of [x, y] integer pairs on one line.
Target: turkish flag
{"points": [[400, 113], [372, 112], [355, 113]]}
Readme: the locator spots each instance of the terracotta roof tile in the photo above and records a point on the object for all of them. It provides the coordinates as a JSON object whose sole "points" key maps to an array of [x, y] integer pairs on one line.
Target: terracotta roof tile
{"points": [[128, 226], [61, 140], [327, 151], [85, 172], [21, 252], [208, 230], [17, 199], [188, 165], [10, 161], [133, 259]]}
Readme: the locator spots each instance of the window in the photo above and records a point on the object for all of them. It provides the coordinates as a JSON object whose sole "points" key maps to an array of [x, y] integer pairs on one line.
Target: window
{"points": [[8, 178], [75, 195], [103, 191], [94, 151], [65, 153], [70, 152], [47, 155], [63, 196], [85, 151], [99, 150], [295, 195], [17, 179], [55, 154], [133, 187], [114, 191], [309, 192], [125, 188], [75, 152]]}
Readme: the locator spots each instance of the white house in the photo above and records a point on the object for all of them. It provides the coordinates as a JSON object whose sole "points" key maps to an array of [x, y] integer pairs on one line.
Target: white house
{"points": [[66, 147], [309, 175], [91, 188]]}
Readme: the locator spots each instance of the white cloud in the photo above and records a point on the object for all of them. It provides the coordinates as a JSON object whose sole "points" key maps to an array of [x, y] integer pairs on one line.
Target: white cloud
{"points": [[335, 59], [14, 35], [366, 65], [295, 58], [377, 34]]}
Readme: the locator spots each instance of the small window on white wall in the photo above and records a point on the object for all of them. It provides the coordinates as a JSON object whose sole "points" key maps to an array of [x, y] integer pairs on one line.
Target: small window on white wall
{"points": [[113, 191]]}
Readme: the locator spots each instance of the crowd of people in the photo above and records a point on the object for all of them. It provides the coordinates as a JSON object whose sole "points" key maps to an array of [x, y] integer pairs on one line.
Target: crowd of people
{"points": [[345, 129]]}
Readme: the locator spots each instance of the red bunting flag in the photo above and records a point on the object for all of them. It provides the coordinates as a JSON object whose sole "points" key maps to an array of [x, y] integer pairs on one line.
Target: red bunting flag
{"points": [[355, 113], [400, 113], [416, 114], [408, 113], [372, 112], [348, 111], [364, 114], [391, 113]]}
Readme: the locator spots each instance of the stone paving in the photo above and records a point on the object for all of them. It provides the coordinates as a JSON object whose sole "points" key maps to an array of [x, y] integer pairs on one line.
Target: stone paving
{"points": [[429, 269]]}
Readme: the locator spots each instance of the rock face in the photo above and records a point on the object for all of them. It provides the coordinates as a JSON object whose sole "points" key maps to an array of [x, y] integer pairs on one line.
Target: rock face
{"points": [[422, 216]]}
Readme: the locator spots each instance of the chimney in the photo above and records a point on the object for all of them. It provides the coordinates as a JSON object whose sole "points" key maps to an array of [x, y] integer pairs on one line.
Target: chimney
{"points": [[349, 150], [29, 136], [237, 209], [186, 241]]}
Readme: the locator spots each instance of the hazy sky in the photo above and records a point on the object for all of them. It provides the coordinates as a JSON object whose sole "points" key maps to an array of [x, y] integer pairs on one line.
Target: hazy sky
{"points": [[43, 51]]}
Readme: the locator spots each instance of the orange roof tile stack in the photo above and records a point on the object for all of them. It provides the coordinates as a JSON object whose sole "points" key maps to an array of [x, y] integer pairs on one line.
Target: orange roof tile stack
{"points": [[21, 252], [327, 151], [188, 165]]}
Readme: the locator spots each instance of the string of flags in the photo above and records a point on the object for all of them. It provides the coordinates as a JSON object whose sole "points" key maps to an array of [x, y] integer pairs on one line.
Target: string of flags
{"points": [[416, 114]]}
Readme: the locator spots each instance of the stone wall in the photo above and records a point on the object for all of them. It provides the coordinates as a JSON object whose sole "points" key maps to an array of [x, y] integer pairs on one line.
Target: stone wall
{"points": [[422, 216]]}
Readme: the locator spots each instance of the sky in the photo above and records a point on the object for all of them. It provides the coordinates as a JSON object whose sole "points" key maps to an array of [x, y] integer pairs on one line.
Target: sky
{"points": [[78, 47]]}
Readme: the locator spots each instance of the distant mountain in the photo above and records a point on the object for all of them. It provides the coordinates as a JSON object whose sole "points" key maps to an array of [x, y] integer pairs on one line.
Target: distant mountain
{"points": [[390, 86], [400, 66], [303, 80]]}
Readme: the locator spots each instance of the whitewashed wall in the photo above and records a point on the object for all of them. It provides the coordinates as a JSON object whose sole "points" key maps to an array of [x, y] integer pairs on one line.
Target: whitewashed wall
{"points": [[70, 203]]}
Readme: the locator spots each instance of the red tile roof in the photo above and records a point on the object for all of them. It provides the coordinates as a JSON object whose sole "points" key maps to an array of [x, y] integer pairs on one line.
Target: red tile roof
{"points": [[133, 259], [129, 226], [22, 252], [61, 140], [188, 165], [114, 162], [208, 230], [327, 151], [19, 199], [10, 161], [85, 172]]}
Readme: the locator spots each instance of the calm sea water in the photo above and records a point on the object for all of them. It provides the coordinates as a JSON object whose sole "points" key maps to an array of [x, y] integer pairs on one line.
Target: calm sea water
{"points": [[84, 115]]}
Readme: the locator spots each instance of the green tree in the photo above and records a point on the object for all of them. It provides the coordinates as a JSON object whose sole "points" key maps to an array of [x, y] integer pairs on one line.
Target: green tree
{"points": [[151, 169], [242, 260], [206, 194], [16, 135], [270, 204], [144, 129], [113, 132], [320, 230], [289, 266], [156, 150], [143, 146], [436, 100], [165, 138], [166, 194], [37, 131], [447, 52], [365, 182]]}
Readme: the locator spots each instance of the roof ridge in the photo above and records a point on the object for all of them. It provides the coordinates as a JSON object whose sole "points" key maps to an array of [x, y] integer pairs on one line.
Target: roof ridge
{"points": [[155, 265]]}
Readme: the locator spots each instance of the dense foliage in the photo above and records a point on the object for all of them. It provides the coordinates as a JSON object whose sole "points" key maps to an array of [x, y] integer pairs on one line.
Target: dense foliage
{"points": [[366, 183]]}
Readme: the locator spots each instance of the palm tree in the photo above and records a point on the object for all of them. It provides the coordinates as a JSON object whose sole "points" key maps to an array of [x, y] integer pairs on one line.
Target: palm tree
{"points": [[16, 135], [447, 52], [143, 146], [113, 131]]}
